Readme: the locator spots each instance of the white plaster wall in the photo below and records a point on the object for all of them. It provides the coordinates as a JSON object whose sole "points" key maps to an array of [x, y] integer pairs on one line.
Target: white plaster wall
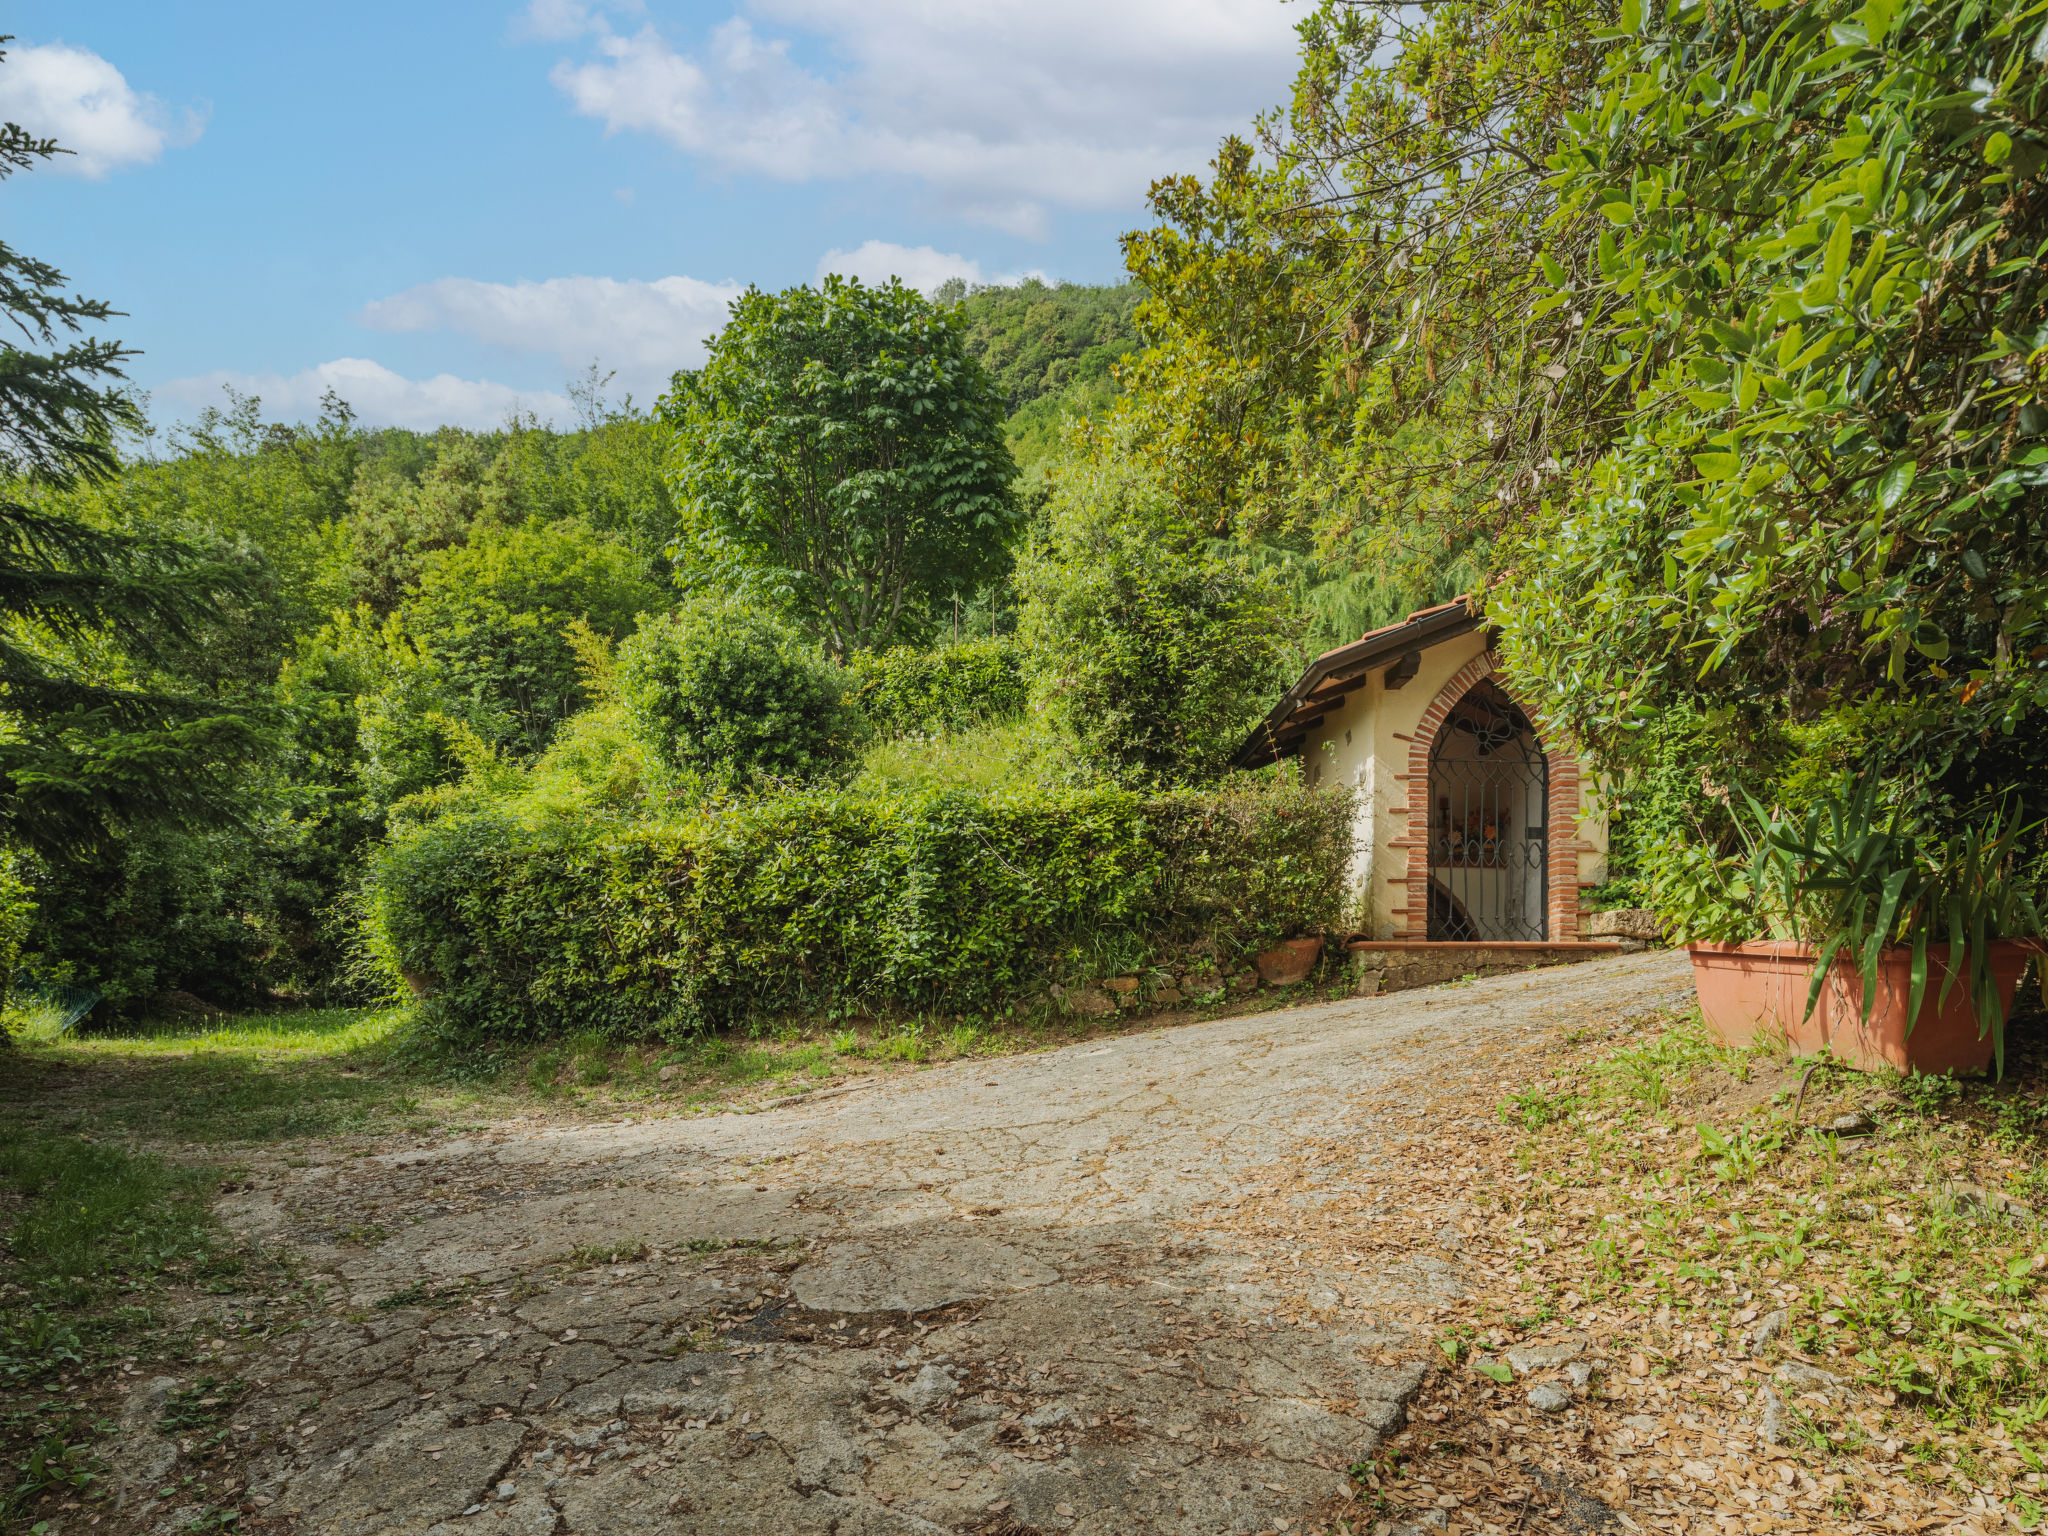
{"points": [[1592, 829], [1340, 751]]}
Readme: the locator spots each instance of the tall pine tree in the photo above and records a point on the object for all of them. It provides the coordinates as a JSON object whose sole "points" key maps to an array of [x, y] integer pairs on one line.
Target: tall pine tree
{"points": [[83, 748]]}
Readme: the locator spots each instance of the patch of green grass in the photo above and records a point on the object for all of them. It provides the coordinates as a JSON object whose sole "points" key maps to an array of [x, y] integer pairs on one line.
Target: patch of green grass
{"points": [[986, 758], [96, 1231], [1532, 1109], [1927, 1094], [253, 1078], [905, 1045], [1890, 1275], [421, 1294], [590, 1059], [94, 1218]]}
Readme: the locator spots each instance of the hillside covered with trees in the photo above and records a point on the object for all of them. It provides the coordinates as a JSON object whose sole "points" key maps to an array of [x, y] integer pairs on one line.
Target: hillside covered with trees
{"points": [[1762, 494]]}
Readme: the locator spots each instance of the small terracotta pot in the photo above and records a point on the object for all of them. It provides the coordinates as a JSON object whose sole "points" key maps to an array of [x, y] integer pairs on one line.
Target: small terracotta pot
{"points": [[1289, 961], [1759, 989]]}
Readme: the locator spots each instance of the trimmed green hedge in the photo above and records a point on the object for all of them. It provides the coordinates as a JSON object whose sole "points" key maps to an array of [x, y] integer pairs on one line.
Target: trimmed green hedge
{"points": [[944, 900], [908, 692]]}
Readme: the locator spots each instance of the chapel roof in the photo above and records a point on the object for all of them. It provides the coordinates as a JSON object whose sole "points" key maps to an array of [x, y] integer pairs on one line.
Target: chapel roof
{"points": [[1335, 673]]}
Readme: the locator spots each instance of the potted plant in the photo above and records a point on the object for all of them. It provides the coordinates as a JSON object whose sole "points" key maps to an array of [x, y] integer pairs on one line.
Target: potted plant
{"points": [[1853, 930], [1288, 962]]}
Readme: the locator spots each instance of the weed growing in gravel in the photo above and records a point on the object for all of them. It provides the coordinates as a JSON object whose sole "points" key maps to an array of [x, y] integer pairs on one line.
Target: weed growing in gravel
{"points": [[1532, 1109], [1905, 1259], [591, 1255]]}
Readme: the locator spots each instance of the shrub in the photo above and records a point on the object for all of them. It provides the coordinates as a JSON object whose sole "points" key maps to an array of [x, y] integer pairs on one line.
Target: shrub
{"points": [[1152, 648], [815, 899], [908, 692], [735, 696]]}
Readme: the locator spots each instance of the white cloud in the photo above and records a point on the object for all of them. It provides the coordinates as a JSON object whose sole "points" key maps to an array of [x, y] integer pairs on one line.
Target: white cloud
{"points": [[88, 107], [920, 266], [380, 397], [644, 331], [555, 20], [1005, 108]]}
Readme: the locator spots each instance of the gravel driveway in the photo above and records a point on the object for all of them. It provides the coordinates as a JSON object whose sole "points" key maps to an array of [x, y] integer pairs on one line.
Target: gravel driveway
{"points": [[987, 1297]]}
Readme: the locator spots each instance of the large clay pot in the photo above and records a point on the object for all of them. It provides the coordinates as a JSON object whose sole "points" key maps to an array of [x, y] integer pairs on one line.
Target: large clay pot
{"points": [[1759, 989], [1289, 961]]}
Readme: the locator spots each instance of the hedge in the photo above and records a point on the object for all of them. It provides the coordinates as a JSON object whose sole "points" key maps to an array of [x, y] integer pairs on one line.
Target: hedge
{"points": [[815, 900]]}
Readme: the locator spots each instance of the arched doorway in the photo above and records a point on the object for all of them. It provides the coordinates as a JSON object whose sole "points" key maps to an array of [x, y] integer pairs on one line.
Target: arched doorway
{"points": [[1489, 794]]}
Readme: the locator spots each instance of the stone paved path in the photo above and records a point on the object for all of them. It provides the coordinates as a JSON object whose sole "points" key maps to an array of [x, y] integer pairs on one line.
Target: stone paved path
{"points": [[962, 1300]]}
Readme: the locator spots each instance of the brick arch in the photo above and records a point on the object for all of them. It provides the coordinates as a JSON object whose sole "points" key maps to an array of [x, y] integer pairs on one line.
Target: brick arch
{"points": [[1561, 808]]}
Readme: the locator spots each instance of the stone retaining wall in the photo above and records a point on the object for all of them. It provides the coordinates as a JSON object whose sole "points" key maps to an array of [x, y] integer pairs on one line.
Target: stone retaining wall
{"points": [[1394, 966]]}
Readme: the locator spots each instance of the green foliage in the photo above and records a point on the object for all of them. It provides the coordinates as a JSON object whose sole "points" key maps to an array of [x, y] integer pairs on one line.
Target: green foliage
{"points": [[841, 453], [1015, 755], [1037, 339], [908, 692], [1051, 350], [91, 738], [1153, 648], [1798, 253], [1334, 318], [493, 615], [267, 500], [1659, 792], [17, 917], [88, 1216], [415, 495], [1857, 876], [722, 692], [941, 900], [165, 909]]}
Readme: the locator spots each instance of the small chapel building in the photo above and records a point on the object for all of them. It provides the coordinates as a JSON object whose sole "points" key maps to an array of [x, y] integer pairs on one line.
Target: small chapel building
{"points": [[1473, 824]]}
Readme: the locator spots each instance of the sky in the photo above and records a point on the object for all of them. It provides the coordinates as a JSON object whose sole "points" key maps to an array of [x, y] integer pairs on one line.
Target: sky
{"points": [[446, 210]]}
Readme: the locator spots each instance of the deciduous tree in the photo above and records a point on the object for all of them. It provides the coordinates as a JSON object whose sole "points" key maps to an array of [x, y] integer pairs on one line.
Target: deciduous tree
{"points": [[841, 453]]}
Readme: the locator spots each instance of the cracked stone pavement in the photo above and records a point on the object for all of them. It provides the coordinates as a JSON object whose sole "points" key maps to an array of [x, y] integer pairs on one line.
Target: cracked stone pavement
{"points": [[968, 1299]]}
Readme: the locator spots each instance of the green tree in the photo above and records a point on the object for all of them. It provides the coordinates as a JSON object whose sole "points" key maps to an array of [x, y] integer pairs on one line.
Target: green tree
{"points": [[732, 696], [1152, 645], [493, 616], [1334, 318], [1798, 253], [86, 739], [1052, 350], [841, 453]]}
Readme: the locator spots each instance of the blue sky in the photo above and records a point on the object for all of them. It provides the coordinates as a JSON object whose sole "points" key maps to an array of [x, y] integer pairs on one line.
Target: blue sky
{"points": [[446, 209]]}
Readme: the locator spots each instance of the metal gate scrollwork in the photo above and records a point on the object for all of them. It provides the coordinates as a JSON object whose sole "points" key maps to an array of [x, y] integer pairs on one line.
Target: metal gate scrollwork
{"points": [[1489, 868]]}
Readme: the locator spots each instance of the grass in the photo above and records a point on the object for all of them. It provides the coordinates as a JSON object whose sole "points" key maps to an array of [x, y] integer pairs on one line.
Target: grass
{"points": [[989, 757], [96, 1235], [255, 1078], [112, 1149], [1631, 1183]]}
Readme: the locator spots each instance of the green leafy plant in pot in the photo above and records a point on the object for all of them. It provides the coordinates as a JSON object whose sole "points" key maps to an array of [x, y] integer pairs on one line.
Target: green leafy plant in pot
{"points": [[1855, 895]]}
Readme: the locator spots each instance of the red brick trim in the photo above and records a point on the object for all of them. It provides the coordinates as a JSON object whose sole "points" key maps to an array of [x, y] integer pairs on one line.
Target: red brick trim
{"points": [[1561, 915]]}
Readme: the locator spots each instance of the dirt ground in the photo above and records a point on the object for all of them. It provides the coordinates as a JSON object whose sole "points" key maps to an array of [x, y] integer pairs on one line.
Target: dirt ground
{"points": [[1055, 1292]]}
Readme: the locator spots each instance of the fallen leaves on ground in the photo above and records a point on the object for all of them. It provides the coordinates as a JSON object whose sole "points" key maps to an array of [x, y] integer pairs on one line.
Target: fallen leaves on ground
{"points": [[1740, 1320]]}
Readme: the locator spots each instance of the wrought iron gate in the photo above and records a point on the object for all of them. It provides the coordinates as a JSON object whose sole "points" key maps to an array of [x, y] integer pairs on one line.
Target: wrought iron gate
{"points": [[1489, 872]]}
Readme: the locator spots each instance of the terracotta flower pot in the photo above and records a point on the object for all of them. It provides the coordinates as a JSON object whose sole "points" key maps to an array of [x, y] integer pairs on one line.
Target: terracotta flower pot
{"points": [[1759, 989], [1289, 961]]}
